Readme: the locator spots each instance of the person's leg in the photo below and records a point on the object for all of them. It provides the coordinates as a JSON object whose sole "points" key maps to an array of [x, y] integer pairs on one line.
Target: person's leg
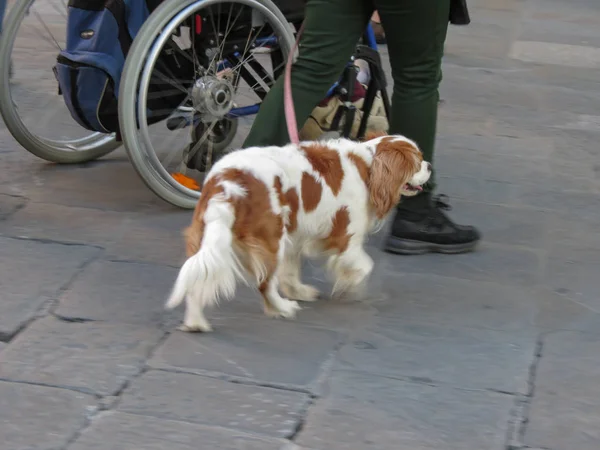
{"points": [[416, 32], [332, 30]]}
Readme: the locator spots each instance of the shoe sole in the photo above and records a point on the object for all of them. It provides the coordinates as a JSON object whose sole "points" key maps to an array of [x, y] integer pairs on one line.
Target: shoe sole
{"points": [[410, 247]]}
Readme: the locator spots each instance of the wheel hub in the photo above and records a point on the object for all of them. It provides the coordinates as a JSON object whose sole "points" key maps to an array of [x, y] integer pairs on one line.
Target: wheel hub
{"points": [[212, 98]]}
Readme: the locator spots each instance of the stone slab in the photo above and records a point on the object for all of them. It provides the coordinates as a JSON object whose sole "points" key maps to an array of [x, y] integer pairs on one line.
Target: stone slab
{"points": [[500, 264], [452, 302], [208, 401], [40, 418], [466, 357], [109, 184], [124, 292], [564, 411], [154, 236], [373, 413], [556, 310], [9, 204], [546, 174], [574, 260], [271, 351], [559, 54], [580, 204], [66, 224], [92, 357], [343, 315], [526, 227], [478, 189], [121, 431], [48, 268]]}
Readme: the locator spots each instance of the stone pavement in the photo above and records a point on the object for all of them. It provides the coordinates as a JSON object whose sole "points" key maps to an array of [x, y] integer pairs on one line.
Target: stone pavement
{"points": [[499, 349]]}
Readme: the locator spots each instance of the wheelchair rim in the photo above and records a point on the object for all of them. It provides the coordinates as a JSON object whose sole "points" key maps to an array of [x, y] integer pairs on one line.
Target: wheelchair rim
{"points": [[144, 81]]}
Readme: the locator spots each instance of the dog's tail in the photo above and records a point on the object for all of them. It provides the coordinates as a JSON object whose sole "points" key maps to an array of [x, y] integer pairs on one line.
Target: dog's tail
{"points": [[212, 272]]}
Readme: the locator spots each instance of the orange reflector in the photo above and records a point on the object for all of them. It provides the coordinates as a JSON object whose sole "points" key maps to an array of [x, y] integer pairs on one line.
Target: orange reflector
{"points": [[186, 181]]}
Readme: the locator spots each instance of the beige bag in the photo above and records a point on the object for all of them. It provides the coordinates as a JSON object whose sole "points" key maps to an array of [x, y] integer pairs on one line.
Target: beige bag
{"points": [[321, 118]]}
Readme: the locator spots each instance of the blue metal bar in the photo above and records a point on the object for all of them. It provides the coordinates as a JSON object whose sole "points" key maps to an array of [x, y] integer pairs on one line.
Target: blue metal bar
{"points": [[370, 37], [243, 111]]}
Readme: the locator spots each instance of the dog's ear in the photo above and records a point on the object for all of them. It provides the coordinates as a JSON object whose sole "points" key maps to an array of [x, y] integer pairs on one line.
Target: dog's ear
{"points": [[373, 135], [394, 164]]}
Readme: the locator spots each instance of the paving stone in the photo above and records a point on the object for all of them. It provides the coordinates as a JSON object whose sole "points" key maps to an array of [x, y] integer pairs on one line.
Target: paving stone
{"points": [[478, 190], [574, 147], [556, 310], [560, 54], [91, 357], [523, 172], [370, 412], [49, 267], [583, 122], [564, 410], [465, 357], [9, 204], [525, 227], [513, 266], [108, 184], [272, 351], [119, 292], [430, 299], [490, 87], [154, 236], [498, 5], [576, 276], [40, 418], [66, 224], [120, 431], [574, 260], [461, 42], [208, 401], [340, 314]]}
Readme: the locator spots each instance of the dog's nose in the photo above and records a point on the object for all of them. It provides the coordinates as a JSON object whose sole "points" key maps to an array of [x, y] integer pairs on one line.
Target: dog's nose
{"points": [[428, 167]]}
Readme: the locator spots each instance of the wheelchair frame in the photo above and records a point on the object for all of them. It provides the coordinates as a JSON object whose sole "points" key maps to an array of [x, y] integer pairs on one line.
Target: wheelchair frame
{"points": [[345, 114]]}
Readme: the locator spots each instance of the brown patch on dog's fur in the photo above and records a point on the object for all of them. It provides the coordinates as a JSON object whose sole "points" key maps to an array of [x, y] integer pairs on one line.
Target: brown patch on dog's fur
{"points": [[361, 166], [338, 238], [290, 199], [327, 163], [394, 164], [195, 232], [257, 230], [311, 191]]}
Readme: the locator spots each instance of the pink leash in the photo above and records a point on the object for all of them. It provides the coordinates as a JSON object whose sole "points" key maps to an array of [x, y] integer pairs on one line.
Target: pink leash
{"points": [[288, 99]]}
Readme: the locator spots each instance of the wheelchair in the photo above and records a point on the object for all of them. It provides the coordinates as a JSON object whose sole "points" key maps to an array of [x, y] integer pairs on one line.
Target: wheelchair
{"points": [[178, 114]]}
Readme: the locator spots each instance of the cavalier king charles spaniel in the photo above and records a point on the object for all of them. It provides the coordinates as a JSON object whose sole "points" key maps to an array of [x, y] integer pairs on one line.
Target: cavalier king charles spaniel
{"points": [[261, 209]]}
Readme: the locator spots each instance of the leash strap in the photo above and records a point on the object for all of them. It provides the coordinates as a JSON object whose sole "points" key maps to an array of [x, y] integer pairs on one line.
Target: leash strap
{"points": [[288, 99]]}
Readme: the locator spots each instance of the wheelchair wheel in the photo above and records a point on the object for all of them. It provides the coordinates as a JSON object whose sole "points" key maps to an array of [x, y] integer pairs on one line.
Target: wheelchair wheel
{"points": [[204, 66], [33, 111]]}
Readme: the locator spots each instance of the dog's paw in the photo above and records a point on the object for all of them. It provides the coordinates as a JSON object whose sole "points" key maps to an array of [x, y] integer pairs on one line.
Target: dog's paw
{"points": [[287, 310], [306, 293], [195, 328], [299, 291]]}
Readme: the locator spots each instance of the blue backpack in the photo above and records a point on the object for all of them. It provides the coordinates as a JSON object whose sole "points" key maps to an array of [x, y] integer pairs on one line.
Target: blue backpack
{"points": [[88, 70]]}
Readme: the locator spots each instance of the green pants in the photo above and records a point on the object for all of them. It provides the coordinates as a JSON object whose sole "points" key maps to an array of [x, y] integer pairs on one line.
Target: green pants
{"points": [[415, 32]]}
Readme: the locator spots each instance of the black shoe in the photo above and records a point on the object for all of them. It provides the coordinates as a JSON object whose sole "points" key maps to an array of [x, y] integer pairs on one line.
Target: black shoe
{"points": [[420, 226]]}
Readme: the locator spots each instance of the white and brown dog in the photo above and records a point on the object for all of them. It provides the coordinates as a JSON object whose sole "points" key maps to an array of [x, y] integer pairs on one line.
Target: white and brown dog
{"points": [[261, 209]]}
